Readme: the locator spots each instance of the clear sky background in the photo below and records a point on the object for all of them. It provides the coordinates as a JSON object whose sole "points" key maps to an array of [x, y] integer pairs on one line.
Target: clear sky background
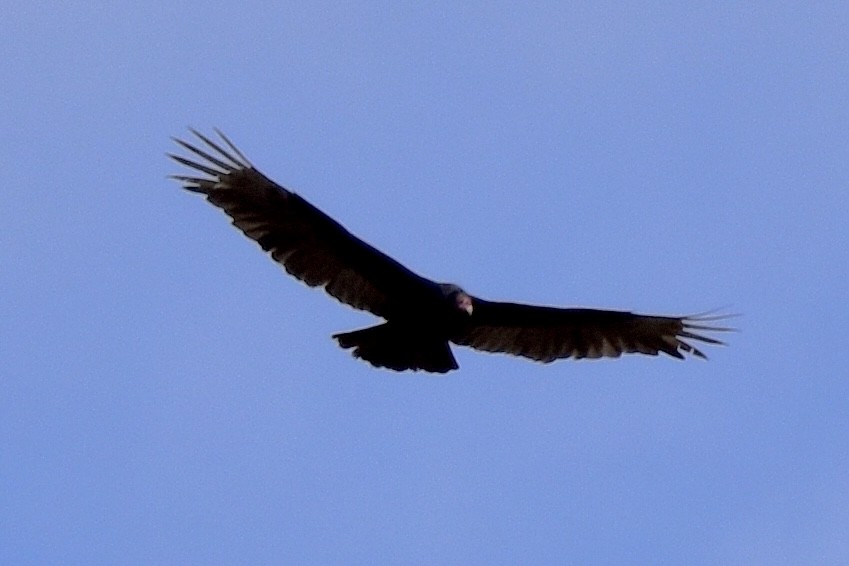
{"points": [[169, 395]]}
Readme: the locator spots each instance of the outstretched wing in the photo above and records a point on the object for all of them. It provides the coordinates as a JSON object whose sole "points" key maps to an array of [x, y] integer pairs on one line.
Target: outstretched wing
{"points": [[546, 334], [309, 244]]}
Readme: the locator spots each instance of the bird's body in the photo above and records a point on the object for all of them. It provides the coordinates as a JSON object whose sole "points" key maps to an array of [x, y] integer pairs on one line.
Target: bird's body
{"points": [[422, 316]]}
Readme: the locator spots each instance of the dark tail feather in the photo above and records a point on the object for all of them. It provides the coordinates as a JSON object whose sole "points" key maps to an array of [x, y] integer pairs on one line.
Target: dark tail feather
{"points": [[389, 347]]}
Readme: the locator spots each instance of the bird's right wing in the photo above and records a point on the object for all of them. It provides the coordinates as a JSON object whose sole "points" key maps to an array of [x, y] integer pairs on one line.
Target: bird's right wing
{"points": [[308, 243], [547, 333]]}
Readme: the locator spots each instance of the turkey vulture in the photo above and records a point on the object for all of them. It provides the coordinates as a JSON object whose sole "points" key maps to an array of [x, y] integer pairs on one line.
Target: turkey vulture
{"points": [[421, 316]]}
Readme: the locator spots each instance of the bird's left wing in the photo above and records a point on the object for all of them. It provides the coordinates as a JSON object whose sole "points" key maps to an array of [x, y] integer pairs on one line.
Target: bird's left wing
{"points": [[546, 333], [308, 243]]}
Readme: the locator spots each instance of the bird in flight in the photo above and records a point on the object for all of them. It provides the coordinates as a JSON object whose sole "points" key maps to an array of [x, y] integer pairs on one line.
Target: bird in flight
{"points": [[422, 317]]}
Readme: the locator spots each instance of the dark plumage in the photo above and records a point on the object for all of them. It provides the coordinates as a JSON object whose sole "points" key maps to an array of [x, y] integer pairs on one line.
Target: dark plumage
{"points": [[422, 316]]}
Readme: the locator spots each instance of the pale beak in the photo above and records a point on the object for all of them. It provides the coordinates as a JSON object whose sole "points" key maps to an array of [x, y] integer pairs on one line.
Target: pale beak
{"points": [[466, 305]]}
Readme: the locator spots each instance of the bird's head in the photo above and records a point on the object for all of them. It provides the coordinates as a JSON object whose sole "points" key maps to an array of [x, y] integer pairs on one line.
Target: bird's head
{"points": [[458, 298]]}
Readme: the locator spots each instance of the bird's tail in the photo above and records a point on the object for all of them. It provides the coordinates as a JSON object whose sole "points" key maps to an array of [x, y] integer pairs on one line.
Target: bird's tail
{"points": [[387, 346]]}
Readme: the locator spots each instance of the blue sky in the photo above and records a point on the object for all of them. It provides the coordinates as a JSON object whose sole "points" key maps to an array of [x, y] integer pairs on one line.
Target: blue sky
{"points": [[168, 395]]}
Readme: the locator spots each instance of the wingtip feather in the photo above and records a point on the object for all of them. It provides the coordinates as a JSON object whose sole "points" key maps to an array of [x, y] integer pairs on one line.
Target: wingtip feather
{"points": [[232, 146]]}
